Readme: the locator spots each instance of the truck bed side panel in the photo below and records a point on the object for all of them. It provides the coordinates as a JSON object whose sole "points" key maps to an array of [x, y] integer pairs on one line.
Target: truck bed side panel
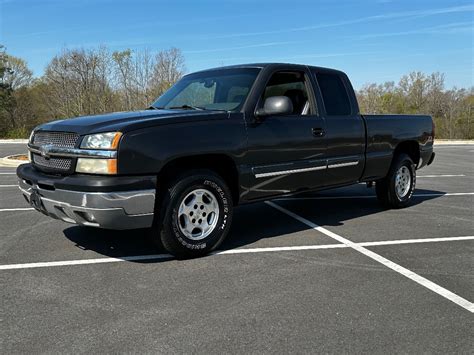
{"points": [[386, 132]]}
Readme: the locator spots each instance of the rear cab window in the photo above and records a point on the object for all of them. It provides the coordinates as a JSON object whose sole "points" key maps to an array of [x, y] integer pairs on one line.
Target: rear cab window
{"points": [[334, 94]]}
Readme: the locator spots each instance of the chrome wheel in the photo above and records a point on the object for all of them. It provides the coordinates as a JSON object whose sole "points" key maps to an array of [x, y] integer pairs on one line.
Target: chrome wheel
{"points": [[198, 214], [402, 182]]}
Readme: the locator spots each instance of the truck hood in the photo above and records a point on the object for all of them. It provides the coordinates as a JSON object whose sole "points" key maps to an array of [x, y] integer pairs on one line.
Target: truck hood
{"points": [[128, 121]]}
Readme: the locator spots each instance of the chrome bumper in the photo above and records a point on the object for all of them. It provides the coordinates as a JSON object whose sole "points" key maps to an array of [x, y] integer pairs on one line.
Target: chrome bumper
{"points": [[111, 210]]}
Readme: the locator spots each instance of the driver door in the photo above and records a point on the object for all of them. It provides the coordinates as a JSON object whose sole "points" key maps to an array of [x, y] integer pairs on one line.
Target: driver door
{"points": [[287, 153]]}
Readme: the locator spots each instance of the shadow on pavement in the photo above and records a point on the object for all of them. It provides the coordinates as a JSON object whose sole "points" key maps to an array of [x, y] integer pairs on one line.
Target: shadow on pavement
{"points": [[251, 223]]}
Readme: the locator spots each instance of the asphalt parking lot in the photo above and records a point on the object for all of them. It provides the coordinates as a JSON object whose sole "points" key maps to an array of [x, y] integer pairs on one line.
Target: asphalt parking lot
{"points": [[327, 273]]}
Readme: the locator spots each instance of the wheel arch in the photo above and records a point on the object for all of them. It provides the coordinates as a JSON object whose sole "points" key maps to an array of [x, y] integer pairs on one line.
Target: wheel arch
{"points": [[411, 148], [221, 164]]}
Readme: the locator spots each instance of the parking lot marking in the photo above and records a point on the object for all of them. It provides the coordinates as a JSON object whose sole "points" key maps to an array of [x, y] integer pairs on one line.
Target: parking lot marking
{"points": [[275, 249], [436, 176], [462, 302], [16, 209], [225, 252], [8, 185], [7, 173], [85, 261], [415, 241], [371, 196]]}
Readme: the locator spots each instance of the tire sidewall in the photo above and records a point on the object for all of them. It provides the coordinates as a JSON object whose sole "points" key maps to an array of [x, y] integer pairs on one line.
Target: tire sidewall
{"points": [[403, 160], [171, 228]]}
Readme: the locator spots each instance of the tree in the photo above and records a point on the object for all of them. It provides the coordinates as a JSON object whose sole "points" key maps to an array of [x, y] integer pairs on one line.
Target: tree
{"points": [[18, 75], [79, 82], [168, 69], [452, 110], [6, 93]]}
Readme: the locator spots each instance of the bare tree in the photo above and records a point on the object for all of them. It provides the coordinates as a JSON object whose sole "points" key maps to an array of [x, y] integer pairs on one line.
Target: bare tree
{"points": [[79, 82], [18, 75], [168, 69]]}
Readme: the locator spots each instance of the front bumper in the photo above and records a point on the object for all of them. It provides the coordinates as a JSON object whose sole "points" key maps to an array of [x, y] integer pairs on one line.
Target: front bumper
{"points": [[125, 208]]}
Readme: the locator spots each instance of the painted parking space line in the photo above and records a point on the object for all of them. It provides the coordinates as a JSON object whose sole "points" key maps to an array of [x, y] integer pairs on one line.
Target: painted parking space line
{"points": [[7, 173], [462, 302], [372, 196], [415, 241], [16, 209], [438, 176], [85, 261], [8, 185], [226, 252]]}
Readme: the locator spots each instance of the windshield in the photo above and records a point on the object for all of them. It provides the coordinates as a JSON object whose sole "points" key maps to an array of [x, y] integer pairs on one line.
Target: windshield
{"points": [[224, 89]]}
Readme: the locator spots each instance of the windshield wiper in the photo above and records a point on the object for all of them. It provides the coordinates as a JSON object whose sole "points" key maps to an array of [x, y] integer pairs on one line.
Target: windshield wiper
{"points": [[187, 107], [155, 108]]}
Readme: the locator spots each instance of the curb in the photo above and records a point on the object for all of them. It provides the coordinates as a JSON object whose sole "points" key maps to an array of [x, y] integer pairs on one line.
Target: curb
{"points": [[453, 142], [13, 141], [6, 162]]}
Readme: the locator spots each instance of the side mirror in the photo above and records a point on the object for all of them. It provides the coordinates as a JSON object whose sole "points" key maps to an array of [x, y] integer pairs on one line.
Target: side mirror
{"points": [[276, 105]]}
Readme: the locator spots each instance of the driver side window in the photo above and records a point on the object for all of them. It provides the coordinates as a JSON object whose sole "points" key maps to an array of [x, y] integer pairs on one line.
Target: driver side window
{"points": [[292, 85]]}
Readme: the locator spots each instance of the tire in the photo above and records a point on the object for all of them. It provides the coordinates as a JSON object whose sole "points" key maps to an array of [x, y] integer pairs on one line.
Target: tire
{"points": [[197, 193], [396, 189]]}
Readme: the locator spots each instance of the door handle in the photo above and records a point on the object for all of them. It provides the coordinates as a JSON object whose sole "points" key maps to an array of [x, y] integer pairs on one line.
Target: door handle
{"points": [[318, 132]]}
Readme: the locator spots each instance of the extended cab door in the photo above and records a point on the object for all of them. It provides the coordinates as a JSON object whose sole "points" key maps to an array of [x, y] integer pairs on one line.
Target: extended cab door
{"points": [[286, 153], [345, 130]]}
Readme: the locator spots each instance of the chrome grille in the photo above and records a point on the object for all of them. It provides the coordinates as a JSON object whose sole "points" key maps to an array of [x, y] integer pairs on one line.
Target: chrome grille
{"points": [[58, 164], [59, 139]]}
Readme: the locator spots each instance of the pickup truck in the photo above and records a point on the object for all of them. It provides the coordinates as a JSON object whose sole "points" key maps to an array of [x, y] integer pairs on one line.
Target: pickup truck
{"points": [[216, 139]]}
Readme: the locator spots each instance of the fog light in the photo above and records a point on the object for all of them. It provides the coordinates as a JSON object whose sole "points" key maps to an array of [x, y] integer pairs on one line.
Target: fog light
{"points": [[96, 166]]}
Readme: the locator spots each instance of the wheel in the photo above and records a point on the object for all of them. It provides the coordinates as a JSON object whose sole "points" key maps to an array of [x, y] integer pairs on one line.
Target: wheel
{"points": [[396, 189], [195, 214]]}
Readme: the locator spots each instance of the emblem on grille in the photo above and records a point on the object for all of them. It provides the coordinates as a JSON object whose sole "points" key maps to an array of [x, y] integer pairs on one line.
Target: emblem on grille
{"points": [[44, 150]]}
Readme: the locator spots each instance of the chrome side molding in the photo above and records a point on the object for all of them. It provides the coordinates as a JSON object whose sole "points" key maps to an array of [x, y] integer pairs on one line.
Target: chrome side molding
{"points": [[303, 170], [286, 172], [341, 165]]}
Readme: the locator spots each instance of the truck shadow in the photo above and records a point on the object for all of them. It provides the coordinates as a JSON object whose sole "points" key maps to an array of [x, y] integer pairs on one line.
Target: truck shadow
{"points": [[252, 224]]}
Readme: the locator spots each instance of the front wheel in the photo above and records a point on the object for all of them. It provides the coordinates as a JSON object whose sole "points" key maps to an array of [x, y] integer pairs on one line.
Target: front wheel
{"points": [[396, 189], [195, 214]]}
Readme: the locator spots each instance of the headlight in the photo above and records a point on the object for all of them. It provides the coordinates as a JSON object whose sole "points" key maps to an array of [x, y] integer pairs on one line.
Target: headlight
{"points": [[109, 140], [96, 166], [31, 136]]}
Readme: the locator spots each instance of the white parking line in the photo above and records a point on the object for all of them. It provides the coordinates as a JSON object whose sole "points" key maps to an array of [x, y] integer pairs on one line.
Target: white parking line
{"points": [[437, 176], [228, 252], [85, 261], [16, 209], [415, 241], [372, 196], [382, 260], [8, 185]]}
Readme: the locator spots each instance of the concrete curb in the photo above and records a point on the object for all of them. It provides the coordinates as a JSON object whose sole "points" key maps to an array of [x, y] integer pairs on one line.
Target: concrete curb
{"points": [[13, 141], [6, 162], [452, 142]]}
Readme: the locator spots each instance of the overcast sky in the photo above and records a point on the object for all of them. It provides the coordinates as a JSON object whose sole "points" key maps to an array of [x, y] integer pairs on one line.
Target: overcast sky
{"points": [[372, 40]]}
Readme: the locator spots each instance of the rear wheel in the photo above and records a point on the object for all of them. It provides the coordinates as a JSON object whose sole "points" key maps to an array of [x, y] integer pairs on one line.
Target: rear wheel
{"points": [[195, 214], [396, 189]]}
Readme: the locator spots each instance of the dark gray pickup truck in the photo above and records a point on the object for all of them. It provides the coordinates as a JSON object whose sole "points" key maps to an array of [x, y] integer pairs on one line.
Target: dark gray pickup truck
{"points": [[219, 138]]}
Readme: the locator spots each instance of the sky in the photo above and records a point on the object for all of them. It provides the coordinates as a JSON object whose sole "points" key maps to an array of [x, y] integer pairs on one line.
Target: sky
{"points": [[371, 40]]}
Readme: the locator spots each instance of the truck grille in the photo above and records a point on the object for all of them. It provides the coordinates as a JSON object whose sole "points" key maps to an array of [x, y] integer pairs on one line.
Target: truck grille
{"points": [[59, 139], [53, 164]]}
